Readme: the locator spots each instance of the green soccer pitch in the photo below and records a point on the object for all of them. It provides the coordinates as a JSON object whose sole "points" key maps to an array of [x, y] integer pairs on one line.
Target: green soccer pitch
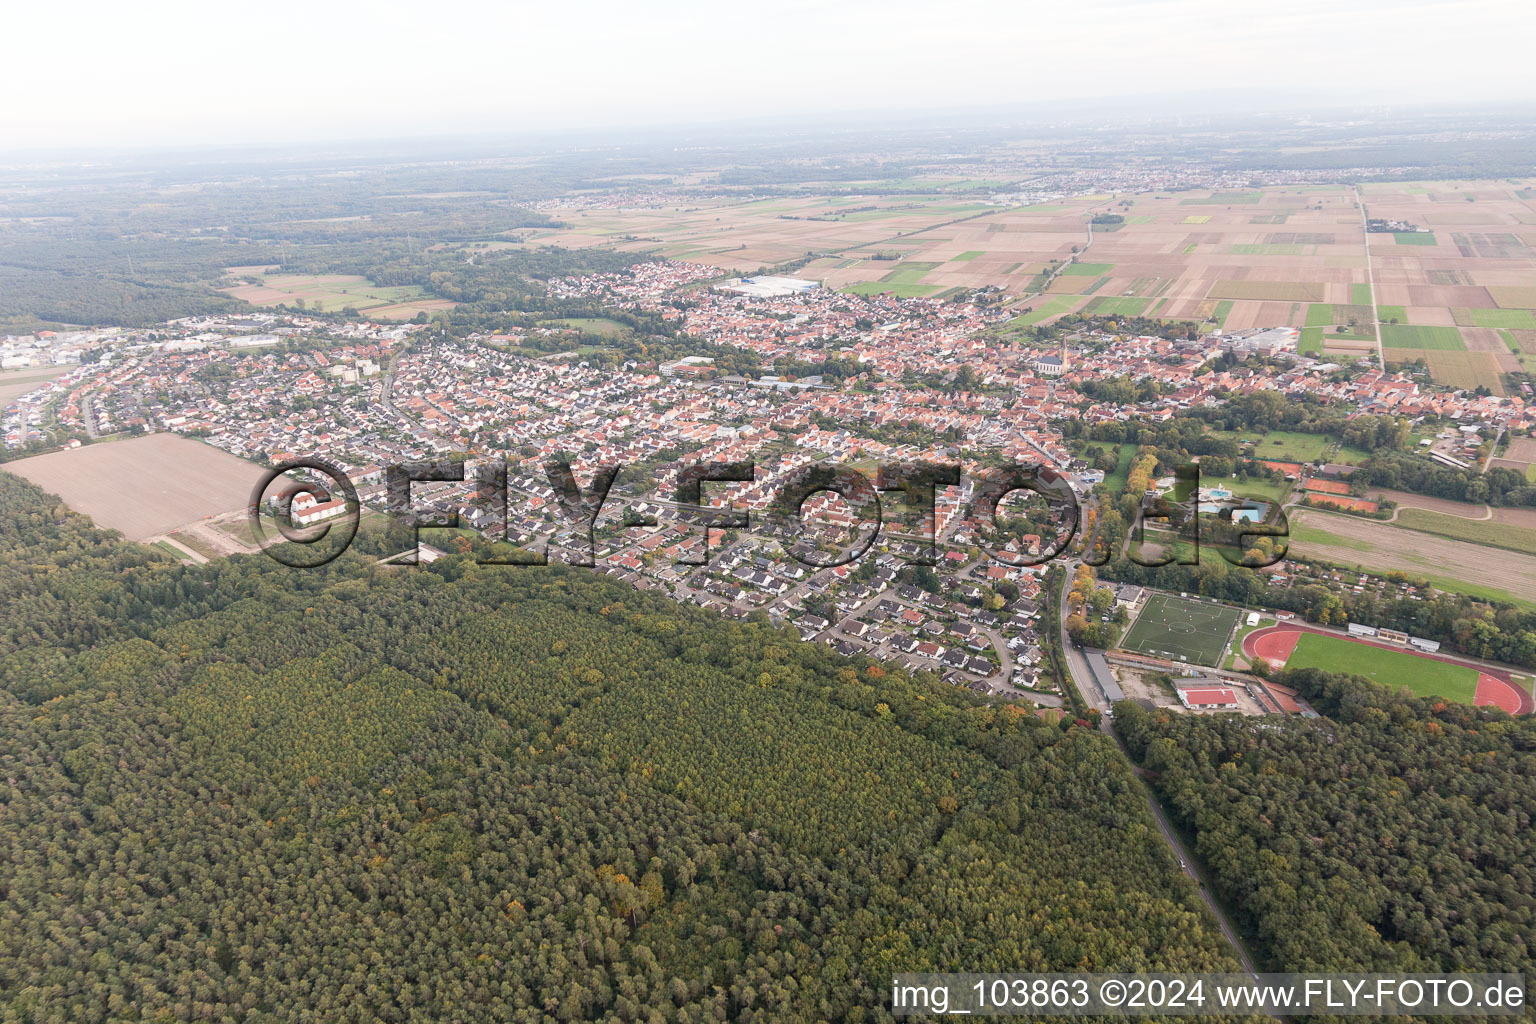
{"points": [[1182, 629]]}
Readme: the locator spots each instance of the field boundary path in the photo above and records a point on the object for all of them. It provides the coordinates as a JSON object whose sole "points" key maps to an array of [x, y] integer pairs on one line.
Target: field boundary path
{"points": [[1487, 513], [1370, 277]]}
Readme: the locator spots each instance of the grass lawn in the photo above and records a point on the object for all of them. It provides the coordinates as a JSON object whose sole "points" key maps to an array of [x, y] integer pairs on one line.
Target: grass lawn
{"points": [[1181, 629], [1115, 481], [1282, 445], [1396, 669], [1241, 634], [170, 549], [1087, 269], [1489, 532], [586, 324], [1444, 339], [1253, 487]]}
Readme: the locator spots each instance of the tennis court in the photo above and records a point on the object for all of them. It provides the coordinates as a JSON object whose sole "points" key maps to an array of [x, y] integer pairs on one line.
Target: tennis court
{"points": [[1182, 629]]}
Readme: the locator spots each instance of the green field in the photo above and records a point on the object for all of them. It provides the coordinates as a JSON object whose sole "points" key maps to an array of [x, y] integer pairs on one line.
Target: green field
{"points": [[1181, 629], [1360, 294], [335, 292], [1253, 487], [1224, 199], [901, 291], [1444, 339], [1415, 237], [966, 257], [1508, 319], [1236, 647], [1051, 307], [1311, 343], [586, 324], [1283, 445], [1112, 305], [1087, 269], [1488, 532], [1306, 532], [1115, 481], [1390, 313], [1396, 669], [1268, 249], [910, 272], [1320, 314]]}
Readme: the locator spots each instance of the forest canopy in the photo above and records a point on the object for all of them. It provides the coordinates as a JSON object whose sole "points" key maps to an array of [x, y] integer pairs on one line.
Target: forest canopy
{"points": [[241, 791]]}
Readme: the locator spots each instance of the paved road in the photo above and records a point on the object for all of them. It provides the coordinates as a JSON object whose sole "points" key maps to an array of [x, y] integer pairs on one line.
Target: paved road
{"points": [[1186, 860], [1077, 666], [1492, 450]]}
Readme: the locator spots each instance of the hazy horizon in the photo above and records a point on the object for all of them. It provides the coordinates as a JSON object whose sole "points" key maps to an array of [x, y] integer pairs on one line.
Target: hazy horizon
{"points": [[296, 73]]}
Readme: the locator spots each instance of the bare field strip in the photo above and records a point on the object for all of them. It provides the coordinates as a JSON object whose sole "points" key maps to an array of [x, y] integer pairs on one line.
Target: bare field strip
{"points": [[1513, 297], [144, 486], [1289, 291], [1522, 449], [1381, 547], [1464, 369], [15, 383]]}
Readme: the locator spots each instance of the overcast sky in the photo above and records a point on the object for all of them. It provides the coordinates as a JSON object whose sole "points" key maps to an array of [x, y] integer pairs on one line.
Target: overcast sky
{"points": [[111, 73]]}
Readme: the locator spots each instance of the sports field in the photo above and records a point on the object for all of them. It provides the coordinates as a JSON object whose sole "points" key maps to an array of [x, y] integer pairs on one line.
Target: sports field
{"points": [[1397, 669], [1423, 675], [1181, 629]]}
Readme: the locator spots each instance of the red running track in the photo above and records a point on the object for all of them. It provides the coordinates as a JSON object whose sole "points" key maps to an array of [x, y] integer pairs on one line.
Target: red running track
{"points": [[1275, 645]]}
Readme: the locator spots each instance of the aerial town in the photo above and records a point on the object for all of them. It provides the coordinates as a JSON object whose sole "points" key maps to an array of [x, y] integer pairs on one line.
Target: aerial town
{"points": [[273, 386]]}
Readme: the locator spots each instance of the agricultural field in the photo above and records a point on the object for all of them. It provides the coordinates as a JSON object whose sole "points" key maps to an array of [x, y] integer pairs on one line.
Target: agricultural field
{"points": [[144, 486], [1182, 629], [15, 383], [335, 292], [1490, 532], [1446, 339], [1281, 256], [1376, 546]]}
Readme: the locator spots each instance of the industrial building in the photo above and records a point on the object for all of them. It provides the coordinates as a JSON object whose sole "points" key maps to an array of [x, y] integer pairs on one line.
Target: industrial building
{"points": [[768, 287]]}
